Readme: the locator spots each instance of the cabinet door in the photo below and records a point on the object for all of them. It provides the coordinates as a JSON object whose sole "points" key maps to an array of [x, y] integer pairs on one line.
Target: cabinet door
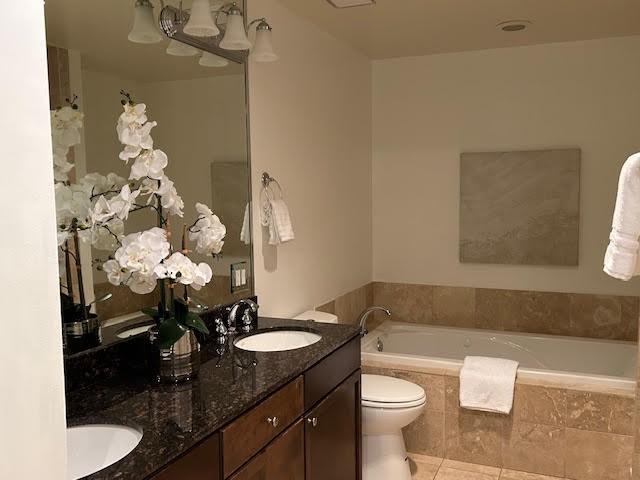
{"points": [[283, 459], [200, 463], [333, 434]]}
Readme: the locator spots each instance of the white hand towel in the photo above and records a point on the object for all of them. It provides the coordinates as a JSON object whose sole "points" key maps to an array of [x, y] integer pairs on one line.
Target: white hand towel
{"points": [[245, 233], [487, 384], [621, 257], [280, 227]]}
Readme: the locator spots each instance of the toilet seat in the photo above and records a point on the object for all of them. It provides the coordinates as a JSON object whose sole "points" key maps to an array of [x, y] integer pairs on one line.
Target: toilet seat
{"points": [[380, 391]]}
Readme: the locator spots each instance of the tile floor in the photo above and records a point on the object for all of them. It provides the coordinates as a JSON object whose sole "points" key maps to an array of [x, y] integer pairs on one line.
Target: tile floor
{"points": [[431, 468]]}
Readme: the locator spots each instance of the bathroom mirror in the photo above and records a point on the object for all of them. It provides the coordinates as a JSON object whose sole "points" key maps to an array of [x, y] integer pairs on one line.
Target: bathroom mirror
{"points": [[200, 106]]}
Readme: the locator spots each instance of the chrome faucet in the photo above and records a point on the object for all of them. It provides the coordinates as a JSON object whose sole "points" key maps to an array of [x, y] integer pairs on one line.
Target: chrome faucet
{"points": [[246, 318], [362, 319]]}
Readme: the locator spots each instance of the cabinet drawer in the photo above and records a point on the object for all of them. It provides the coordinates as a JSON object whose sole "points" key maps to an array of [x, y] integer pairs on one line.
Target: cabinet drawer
{"points": [[327, 374], [202, 462], [252, 431], [283, 459]]}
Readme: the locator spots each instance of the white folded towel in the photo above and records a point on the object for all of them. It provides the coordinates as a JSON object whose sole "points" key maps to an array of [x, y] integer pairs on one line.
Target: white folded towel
{"points": [[280, 227], [621, 257], [245, 233], [487, 384]]}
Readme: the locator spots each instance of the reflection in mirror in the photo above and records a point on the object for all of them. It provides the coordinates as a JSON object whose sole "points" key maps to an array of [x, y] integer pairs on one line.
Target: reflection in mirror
{"points": [[201, 120]]}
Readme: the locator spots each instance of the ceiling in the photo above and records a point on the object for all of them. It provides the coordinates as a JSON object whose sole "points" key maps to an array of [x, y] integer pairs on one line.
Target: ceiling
{"points": [[99, 29], [397, 28]]}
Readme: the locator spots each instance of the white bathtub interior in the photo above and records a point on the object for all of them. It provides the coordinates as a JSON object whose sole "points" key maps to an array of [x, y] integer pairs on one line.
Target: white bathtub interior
{"points": [[552, 357]]}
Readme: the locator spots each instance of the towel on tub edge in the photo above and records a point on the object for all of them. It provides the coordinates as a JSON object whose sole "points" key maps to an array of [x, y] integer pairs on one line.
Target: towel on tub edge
{"points": [[487, 384]]}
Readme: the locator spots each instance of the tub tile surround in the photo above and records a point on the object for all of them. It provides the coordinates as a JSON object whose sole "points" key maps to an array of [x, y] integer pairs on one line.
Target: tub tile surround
{"points": [[573, 314], [582, 315], [553, 432]]}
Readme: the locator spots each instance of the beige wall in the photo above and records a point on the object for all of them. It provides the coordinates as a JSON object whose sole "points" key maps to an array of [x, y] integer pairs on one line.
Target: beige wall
{"points": [[32, 411], [311, 130], [427, 110]]}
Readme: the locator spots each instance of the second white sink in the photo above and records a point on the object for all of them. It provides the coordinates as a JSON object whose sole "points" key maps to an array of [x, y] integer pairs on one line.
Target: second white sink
{"points": [[277, 341], [91, 448]]}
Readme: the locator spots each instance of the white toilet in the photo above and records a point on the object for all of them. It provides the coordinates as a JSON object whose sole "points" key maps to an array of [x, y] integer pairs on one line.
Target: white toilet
{"points": [[388, 405]]}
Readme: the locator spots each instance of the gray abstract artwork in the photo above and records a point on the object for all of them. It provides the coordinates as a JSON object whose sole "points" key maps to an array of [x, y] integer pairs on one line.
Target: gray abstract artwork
{"points": [[520, 207]]}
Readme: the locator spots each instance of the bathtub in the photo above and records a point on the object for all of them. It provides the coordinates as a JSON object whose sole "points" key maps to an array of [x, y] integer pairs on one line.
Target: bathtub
{"points": [[567, 362]]}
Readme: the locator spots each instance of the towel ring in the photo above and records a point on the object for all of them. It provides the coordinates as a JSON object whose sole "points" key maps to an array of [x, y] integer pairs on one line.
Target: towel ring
{"points": [[267, 181]]}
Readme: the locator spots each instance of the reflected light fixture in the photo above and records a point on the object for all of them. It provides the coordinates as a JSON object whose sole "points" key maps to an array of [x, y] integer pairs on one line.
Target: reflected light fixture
{"points": [[263, 48], [179, 49], [209, 59], [201, 23], [235, 36], [144, 28]]}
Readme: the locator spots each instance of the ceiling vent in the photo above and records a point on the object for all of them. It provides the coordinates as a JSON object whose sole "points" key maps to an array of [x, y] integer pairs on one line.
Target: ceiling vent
{"points": [[350, 3]]}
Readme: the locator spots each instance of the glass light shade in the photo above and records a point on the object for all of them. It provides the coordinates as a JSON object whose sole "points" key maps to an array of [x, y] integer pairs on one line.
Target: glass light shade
{"points": [[263, 48], [235, 37], [201, 23], [179, 49], [144, 25], [209, 59]]}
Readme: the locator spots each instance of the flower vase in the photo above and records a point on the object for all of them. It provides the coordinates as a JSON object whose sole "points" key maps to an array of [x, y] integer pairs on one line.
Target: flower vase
{"points": [[83, 334], [178, 363]]}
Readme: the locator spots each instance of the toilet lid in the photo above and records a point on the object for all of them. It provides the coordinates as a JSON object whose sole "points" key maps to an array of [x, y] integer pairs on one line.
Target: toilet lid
{"points": [[395, 392]]}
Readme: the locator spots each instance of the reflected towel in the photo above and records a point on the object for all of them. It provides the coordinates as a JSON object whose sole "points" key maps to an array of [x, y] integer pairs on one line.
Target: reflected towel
{"points": [[245, 233], [621, 257], [487, 384]]}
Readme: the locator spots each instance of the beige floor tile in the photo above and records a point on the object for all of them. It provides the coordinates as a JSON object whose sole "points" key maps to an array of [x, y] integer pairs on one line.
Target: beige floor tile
{"points": [[471, 467], [515, 475], [423, 470], [446, 473], [437, 461]]}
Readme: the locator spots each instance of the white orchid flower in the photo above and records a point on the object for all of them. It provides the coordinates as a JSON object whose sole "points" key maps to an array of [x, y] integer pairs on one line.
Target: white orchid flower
{"points": [[106, 236], [142, 284], [150, 164], [180, 268], [114, 272], [71, 203], [121, 204], [142, 252], [208, 232]]}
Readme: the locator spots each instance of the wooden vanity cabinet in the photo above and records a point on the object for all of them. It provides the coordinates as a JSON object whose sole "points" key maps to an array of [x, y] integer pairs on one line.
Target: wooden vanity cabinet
{"points": [[283, 459], [202, 462], [310, 429], [332, 434]]}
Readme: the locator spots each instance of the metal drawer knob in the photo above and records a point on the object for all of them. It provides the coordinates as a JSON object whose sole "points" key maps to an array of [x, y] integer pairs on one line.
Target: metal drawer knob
{"points": [[313, 421], [273, 421]]}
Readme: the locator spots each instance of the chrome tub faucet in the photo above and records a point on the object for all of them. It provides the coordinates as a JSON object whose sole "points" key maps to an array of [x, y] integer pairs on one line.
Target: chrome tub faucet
{"points": [[362, 319]]}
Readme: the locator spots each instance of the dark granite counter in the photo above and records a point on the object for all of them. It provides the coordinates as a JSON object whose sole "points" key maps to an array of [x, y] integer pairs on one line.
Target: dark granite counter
{"points": [[175, 418]]}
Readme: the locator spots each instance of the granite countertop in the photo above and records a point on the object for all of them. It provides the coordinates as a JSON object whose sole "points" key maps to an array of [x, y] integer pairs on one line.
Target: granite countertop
{"points": [[173, 418]]}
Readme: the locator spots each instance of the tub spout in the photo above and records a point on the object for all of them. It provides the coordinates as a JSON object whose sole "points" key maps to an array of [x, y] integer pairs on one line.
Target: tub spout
{"points": [[362, 319]]}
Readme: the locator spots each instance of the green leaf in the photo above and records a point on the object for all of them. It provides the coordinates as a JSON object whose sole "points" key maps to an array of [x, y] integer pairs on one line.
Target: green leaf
{"points": [[193, 320], [169, 332]]}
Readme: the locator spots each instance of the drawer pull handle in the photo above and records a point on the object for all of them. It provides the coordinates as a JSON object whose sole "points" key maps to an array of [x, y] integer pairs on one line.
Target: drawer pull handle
{"points": [[313, 421], [273, 421]]}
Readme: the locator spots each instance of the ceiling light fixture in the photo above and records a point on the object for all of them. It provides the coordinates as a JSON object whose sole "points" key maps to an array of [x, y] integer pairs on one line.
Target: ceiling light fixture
{"points": [[514, 25], [144, 28], [232, 34], [235, 37], [350, 3], [209, 59], [201, 23], [179, 49], [263, 48]]}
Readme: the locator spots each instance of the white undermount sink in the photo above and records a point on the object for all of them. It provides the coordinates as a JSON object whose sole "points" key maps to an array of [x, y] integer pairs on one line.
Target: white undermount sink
{"points": [[91, 448], [277, 341]]}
